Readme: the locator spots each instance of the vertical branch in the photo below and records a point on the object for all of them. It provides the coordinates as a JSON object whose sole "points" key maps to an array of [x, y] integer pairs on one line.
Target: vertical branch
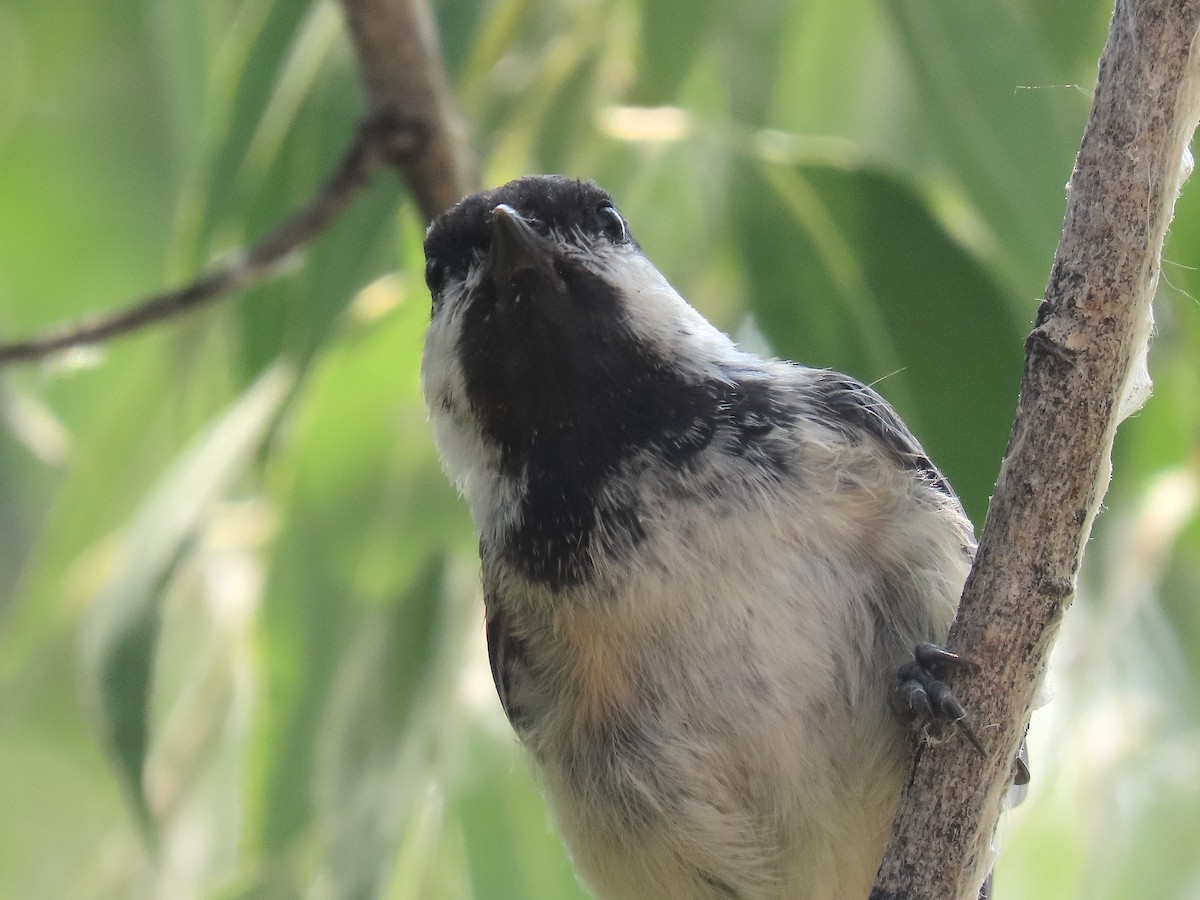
{"points": [[1084, 372], [400, 63]]}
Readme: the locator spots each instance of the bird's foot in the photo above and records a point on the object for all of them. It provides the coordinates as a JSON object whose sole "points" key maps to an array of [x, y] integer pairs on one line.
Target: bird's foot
{"points": [[926, 702]]}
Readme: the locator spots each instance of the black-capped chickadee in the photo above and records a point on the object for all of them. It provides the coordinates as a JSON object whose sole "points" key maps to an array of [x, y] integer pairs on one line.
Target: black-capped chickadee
{"points": [[701, 569]]}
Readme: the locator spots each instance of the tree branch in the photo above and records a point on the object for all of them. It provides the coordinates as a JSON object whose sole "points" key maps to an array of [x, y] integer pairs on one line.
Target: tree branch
{"points": [[410, 124], [241, 268], [1084, 372], [400, 63]]}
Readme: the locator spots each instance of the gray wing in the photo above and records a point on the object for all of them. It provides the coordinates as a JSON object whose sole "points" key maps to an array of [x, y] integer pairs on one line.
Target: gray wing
{"points": [[841, 400], [505, 653]]}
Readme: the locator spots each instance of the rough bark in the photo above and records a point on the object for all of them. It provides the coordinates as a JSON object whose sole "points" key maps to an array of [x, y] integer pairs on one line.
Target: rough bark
{"points": [[400, 64], [1084, 372]]}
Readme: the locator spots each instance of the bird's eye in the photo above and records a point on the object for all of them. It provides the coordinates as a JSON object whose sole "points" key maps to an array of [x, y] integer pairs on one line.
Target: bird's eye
{"points": [[435, 275], [611, 224]]}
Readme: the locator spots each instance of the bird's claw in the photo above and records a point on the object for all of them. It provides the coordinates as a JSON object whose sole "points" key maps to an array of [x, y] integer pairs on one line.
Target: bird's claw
{"points": [[926, 701]]}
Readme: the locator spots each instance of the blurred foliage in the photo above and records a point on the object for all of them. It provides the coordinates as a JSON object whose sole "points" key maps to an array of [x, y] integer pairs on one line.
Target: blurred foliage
{"points": [[240, 633]]}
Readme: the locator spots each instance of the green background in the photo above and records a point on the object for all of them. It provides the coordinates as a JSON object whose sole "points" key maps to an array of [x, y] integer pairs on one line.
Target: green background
{"points": [[241, 645]]}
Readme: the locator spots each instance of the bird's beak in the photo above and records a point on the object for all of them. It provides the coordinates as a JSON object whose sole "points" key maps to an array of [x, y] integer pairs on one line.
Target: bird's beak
{"points": [[515, 245]]}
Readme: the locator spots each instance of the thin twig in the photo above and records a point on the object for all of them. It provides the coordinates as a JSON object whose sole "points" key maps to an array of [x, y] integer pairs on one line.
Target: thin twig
{"points": [[1084, 372], [376, 141], [411, 125]]}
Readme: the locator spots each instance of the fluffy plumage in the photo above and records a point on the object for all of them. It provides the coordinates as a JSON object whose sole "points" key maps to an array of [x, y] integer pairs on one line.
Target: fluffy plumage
{"points": [[701, 568]]}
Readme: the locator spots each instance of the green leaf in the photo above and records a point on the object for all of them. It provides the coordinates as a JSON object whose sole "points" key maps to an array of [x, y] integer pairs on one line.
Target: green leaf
{"points": [[121, 627], [849, 269], [365, 507], [372, 753], [1003, 123], [674, 33], [513, 851]]}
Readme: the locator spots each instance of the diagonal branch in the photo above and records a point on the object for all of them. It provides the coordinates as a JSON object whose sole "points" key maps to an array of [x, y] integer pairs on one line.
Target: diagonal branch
{"points": [[244, 267], [411, 125], [1084, 372]]}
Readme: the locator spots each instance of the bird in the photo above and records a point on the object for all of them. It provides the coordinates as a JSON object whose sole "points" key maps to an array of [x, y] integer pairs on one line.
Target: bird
{"points": [[702, 569]]}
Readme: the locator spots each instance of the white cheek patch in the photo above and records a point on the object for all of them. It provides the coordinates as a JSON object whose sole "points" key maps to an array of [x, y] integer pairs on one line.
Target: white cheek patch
{"points": [[471, 462], [658, 317], [474, 467]]}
